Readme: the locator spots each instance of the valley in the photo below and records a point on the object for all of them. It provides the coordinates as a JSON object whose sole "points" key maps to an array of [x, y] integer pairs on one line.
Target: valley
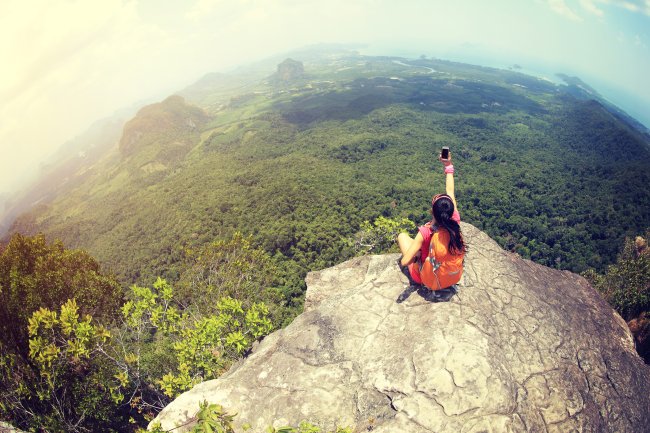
{"points": [[301, 162]]}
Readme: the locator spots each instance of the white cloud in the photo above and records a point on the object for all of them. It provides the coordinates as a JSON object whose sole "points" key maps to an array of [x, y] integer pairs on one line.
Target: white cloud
{"points": [[638, 6], [638, 41], [594, 7], [590, 7], [561, 8], [630, 6], [64, 66], [202, 9], [74, 62]]}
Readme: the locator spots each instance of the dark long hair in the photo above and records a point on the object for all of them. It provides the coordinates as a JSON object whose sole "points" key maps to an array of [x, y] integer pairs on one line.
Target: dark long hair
{"points": [[443, 209]]}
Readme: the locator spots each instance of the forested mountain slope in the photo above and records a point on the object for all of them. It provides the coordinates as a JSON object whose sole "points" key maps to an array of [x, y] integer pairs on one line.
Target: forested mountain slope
{"points": [[301, 162], [67, 168]]}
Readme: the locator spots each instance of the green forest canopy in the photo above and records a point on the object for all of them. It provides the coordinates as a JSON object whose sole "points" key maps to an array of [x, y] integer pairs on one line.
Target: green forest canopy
{"points": [[301, 164]]}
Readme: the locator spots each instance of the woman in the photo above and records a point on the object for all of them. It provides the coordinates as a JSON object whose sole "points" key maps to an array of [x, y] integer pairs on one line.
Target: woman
{"points": [[438, 242]]}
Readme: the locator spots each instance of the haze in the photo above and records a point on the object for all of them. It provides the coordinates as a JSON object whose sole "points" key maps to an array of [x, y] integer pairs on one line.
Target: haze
{"points": [[69, 63]]}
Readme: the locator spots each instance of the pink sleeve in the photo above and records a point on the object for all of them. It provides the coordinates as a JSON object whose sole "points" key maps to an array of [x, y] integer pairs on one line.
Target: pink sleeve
{"points": [[455, 216], [426, 236]]}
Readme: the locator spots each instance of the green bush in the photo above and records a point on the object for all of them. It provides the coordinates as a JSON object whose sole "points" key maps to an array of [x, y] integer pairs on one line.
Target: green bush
{"points": [[212, 418], [626, 284], [379, 237], [232, 268], [67, 383], [78, 374], [52, 372], [35, 274]]}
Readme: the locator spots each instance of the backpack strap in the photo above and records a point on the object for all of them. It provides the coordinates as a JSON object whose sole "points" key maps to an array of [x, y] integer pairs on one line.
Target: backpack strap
{"points": [[432, 257]]}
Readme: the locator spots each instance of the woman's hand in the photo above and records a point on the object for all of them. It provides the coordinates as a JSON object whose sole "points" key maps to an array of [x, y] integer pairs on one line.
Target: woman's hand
{"points": [[445, 162]]}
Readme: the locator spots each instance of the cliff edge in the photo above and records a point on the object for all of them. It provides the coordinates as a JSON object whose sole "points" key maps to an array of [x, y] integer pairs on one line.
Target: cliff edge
{"points": [[520, 348]]}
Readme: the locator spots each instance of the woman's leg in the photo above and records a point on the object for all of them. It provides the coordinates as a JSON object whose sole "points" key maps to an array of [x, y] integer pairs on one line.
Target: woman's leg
{"points": [[404, 241], [412, 270]]}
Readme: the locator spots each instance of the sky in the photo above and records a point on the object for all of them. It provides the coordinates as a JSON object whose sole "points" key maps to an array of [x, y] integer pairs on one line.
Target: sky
{"points": [[68, 63]]}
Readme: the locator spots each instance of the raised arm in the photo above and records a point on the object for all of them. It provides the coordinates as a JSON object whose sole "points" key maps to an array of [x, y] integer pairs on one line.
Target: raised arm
{"points": [[449, 178]]}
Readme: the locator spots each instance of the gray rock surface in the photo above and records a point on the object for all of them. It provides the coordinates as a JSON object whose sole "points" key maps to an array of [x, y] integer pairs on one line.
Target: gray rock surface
{"points": [[519, 348]]}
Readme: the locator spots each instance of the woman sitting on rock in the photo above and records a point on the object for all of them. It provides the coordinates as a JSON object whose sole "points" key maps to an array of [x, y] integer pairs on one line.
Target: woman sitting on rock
{"points": [[435, 257]]}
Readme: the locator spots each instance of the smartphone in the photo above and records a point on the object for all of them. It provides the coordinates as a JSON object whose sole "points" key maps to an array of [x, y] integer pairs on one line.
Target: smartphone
{"points": [[445, 153]]}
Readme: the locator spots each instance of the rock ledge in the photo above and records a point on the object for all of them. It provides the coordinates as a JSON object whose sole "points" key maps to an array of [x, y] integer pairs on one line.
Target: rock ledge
{"points": [[520, 348]]}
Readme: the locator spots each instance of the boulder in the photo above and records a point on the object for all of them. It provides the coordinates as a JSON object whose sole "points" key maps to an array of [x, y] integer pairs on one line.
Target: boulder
{"points": [[519, 348]]}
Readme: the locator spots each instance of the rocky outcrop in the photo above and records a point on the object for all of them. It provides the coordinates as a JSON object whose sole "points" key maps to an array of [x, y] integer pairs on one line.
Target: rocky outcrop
{"points": [[519, 348], [290, 70]]}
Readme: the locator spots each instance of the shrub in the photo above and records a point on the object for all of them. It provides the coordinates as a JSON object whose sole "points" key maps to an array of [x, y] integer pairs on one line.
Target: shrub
{"points": [[212, 418], [35, 274], [626, 284], [379, 237]]}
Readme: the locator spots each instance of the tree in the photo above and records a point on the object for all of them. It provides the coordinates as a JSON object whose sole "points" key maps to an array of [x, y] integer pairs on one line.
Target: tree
{"points": [[48, 373], [35, 274], [67, 385], [379, 237], [229, 268], [203, 346], [626, 284], [63, 370], [81, 377]]}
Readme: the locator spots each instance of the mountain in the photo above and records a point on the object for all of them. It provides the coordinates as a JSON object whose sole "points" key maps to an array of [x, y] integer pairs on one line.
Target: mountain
{"points": [[290, 70], [167, 127], [301, 164], [4, 197], [581, 90], [4, 204], [519, 348], [67, 168]]}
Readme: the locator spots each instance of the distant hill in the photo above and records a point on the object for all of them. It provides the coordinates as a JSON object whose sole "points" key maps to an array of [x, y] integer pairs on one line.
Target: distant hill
{"points": [[4, 199], [300, 166], [581, 90], [170, 124], [69, 167], [290, 70]]}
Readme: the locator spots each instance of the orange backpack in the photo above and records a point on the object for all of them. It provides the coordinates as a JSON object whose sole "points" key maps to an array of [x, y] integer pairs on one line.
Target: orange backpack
{"points": [[441, 269]]}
